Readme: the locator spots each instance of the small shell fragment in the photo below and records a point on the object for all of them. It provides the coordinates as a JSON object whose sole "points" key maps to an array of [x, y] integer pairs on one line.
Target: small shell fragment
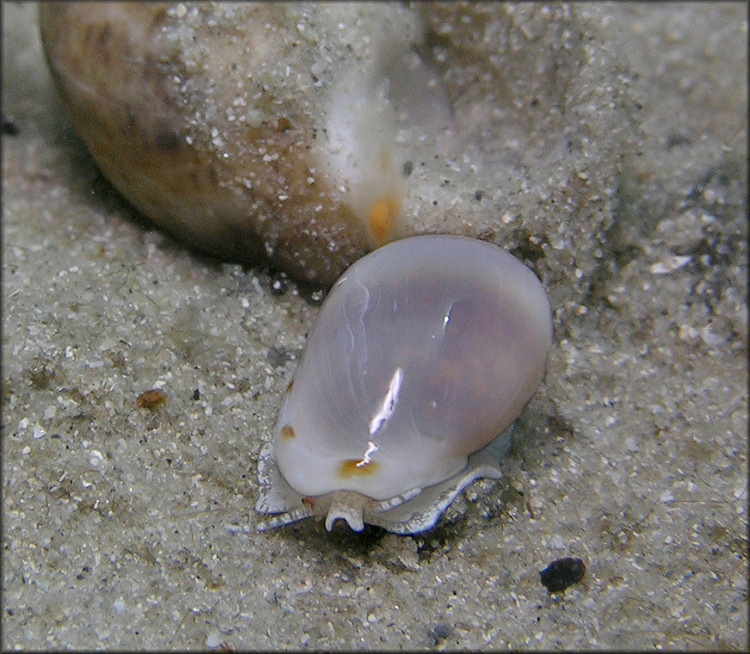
{"points": [[423, 354], [669, 264]]}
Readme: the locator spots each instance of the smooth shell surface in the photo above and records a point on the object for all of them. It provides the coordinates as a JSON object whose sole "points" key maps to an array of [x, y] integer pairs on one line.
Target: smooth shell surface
{"points": [[423, 353]]}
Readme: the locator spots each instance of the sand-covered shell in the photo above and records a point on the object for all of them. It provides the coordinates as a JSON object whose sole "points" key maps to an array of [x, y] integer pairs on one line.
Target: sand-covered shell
{"points": [[423, 353], [308, 134]]}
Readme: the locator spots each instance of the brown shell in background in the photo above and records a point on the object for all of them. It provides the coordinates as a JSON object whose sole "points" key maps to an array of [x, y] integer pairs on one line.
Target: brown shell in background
{"points": [[309, 134], [115, 71]]}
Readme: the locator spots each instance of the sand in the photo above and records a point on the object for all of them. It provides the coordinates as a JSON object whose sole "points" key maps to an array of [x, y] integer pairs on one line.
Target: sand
{"points": [[133, 528]]}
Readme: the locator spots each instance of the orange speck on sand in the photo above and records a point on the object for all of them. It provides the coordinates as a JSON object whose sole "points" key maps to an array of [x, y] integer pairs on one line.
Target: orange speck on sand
{"points": [[151, 399]]}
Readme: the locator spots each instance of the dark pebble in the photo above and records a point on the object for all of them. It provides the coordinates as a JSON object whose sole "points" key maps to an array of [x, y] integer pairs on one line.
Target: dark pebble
{"points": [[562, 573]]}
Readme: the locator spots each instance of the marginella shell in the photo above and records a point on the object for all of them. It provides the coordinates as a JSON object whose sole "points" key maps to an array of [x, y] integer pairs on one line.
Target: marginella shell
{"points": [[423, 354], [229, 139]]}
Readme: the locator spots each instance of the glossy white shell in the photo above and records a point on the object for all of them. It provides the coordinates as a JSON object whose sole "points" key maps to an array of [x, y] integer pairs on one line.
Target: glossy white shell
{"points": [[423, 353]]}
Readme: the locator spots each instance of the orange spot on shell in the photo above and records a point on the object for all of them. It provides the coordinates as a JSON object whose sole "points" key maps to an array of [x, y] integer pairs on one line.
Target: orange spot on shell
{"points": [[287, 432], [349, 468], [382, 216], [289, 387]]}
